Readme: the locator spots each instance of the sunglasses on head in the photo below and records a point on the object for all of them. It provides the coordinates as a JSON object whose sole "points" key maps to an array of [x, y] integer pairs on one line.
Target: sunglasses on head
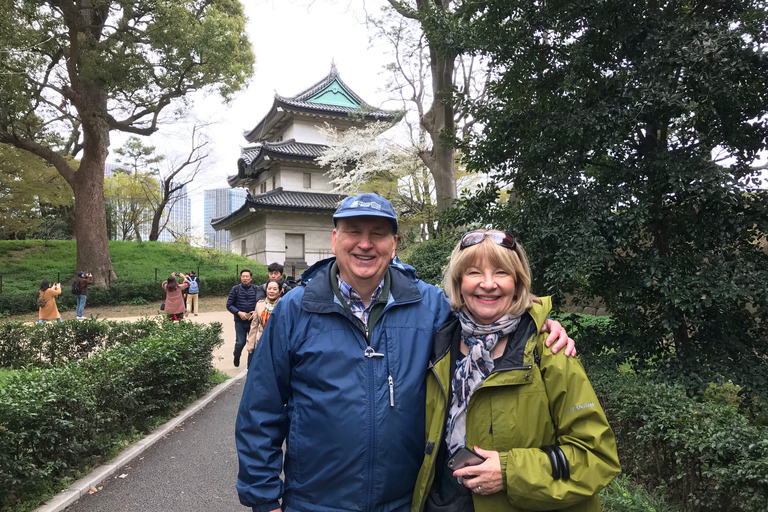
{"points": [[501, 238]]}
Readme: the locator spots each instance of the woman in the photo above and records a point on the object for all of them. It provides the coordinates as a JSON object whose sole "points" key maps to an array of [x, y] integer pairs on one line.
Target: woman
{"points": [[260, 316], [544, 447], [47, 309], [174, 302]]}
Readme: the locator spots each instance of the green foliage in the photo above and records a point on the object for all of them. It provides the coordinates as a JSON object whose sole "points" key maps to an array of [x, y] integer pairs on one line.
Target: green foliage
{"points": [[707, 455], [31, 192], [138, 301], [430, 257], [623, 496], [603, 119], [54, 421], [26, 263]]}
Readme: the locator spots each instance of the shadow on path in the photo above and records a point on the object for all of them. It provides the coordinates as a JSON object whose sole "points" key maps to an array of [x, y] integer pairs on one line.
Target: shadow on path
{"points": [[193, 468]]}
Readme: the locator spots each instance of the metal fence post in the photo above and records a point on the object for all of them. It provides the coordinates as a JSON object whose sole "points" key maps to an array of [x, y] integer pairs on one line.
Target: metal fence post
{"points": [[237, 269], [58, 277]]}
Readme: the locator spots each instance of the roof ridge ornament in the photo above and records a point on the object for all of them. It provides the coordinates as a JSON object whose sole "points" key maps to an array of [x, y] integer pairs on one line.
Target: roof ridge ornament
{"points": [[334, 69]]}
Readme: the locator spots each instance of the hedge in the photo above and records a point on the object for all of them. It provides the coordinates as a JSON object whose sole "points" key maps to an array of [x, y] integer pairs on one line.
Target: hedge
{"points": [[14, 303], [703, 452], [55, 421]]}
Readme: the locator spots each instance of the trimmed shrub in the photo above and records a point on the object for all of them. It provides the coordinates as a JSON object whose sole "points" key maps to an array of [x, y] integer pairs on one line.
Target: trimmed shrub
{"points": [[707, 454], [52, 343], [56, 420]]}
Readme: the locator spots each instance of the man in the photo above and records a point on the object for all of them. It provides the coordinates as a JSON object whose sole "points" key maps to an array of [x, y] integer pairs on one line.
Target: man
{"points": [[83, 280], [275, 271], [241, 303], [193, 292], [339, 375]]}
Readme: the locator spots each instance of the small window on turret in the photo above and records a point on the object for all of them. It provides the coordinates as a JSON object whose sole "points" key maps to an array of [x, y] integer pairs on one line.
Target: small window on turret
{"points": [[307, 180], [263, 187], [274, 182]]}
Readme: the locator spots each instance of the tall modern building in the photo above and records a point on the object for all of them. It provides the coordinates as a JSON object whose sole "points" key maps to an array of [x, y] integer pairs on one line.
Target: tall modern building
{"points": [[178, 214], [220, 202], [179, 219]]}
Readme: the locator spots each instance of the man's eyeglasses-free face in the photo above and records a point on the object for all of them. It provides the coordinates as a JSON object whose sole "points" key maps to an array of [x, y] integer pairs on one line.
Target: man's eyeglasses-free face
{"points": [[498, 237]]}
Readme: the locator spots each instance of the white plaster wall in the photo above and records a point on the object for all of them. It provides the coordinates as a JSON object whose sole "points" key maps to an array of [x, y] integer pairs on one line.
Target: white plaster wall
{"points": [[265, 236], [292, 178], [306, 131]]}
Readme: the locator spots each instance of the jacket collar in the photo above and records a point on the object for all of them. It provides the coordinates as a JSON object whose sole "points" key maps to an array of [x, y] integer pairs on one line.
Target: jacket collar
{"points": [[319, 296], [514, 356]]}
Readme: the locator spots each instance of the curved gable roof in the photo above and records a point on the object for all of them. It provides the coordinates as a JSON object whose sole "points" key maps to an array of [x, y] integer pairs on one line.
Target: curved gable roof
{"points": [[329, 97]]}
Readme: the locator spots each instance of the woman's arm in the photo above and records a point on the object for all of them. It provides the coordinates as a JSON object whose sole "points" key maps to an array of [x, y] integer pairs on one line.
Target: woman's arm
{"points": [[583, 437]]}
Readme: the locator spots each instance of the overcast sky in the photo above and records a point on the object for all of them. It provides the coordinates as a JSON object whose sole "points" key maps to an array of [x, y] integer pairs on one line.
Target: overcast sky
{"points": [[295, 42]]}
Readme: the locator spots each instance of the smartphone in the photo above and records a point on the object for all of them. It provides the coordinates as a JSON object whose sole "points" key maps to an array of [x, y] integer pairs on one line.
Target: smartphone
{"points": [[464, 457]]}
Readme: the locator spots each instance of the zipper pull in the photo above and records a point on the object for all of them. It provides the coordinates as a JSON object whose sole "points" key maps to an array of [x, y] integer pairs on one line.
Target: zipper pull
{"points": [[369, 352], [391, 392]]}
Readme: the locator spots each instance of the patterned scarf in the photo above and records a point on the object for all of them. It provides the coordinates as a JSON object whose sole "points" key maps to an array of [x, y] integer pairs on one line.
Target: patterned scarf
{"points": [[268, 310], [473, 369]]}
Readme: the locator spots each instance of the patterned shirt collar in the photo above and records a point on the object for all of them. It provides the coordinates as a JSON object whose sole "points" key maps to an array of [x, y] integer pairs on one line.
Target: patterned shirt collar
{"points": [[354, 300]]}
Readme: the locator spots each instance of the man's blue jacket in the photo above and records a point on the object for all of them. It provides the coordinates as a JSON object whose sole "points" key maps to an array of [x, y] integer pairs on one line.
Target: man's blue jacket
{"points": [[353, 425]]}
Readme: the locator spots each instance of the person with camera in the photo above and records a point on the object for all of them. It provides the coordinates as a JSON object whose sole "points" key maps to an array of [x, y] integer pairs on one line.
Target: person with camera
{"points": [[174, 302], [46, 302], [80, 290]]}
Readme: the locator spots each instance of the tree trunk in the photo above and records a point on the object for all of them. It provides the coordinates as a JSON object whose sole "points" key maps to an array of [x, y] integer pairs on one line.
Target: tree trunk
{"points": [[442, 124], [154, 233], [88, 186]]}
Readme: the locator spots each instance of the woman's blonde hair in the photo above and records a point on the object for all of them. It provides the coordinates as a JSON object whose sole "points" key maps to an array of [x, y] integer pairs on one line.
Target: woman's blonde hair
{"points": [[513, 261]]}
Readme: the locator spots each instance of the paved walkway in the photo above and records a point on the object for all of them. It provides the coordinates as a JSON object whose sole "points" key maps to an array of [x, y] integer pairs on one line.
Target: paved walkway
{"points": [[189, 464]]}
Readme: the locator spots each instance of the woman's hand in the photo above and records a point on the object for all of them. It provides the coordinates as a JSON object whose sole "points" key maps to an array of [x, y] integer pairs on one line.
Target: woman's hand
{"points": [[485, 478], [556, 332]]}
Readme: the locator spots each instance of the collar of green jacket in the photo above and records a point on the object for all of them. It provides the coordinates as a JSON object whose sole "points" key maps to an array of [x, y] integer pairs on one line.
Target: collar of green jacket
{"points": [[517, 354]]}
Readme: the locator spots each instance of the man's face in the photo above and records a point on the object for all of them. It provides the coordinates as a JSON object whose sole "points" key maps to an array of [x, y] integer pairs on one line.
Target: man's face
{"points": [[275, 274], [245, 278], [363, 247]]}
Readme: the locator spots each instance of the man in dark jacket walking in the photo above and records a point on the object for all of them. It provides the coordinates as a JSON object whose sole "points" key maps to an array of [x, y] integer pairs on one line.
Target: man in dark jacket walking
{"points": [[241, 303], [339, 375]]}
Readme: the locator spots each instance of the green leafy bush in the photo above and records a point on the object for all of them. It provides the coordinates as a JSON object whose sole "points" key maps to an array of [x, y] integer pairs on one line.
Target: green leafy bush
{"points": [[24, 345], [707, 454], [55, 420], [430, 257]]}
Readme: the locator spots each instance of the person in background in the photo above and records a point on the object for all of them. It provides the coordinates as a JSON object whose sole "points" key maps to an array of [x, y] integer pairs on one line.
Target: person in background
{"points": [[184, 292], [83, 280], [193, 293], [339, 376], [495, 387], [174, 302], [46, 302], [241, 303], [275, 271], [260, 316]]}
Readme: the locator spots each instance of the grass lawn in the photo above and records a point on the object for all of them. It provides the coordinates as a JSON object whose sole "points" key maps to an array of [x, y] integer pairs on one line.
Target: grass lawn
{"points": [[25, 263]]}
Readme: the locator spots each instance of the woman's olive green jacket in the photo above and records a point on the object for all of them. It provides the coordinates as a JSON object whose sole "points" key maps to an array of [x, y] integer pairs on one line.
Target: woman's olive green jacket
{"points": [[531, 399]]}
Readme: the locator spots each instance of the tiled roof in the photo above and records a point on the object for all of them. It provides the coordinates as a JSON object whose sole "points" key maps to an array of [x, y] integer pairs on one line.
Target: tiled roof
{"points": [[300, 103], [282, 200], [288, 148]]}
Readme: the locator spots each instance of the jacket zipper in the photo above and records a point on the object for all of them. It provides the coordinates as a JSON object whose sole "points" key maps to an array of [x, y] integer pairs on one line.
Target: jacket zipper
{"points": [[439, 437]]}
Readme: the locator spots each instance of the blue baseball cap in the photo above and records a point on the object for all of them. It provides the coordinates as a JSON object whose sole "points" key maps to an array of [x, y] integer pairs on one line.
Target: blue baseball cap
{"points": [[80, 274], [366, 205]]}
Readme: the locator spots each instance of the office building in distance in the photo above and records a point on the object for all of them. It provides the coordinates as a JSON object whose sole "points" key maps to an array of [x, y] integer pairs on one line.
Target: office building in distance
{"points": [[217, 203]]}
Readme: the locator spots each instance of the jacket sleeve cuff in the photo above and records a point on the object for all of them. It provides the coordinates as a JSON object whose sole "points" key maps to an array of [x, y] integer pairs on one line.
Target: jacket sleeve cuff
{"points": [[267, 507], [503, 462]]}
